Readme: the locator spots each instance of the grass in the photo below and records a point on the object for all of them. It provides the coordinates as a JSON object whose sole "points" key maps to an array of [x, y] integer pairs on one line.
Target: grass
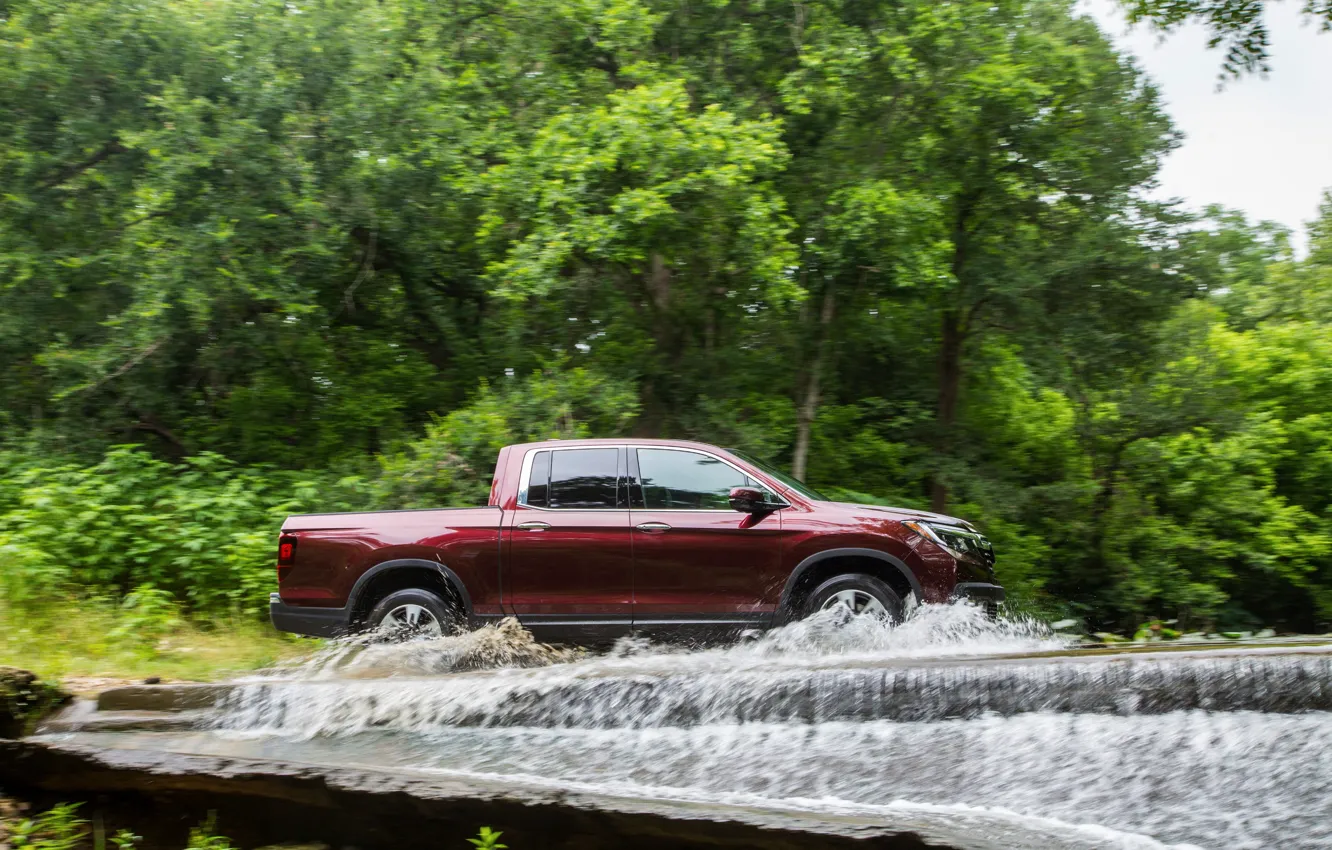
{"points": [[63, 827], [94, 638]]}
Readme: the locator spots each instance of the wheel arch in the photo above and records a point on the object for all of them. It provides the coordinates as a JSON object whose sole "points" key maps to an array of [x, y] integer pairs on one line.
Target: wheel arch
{"points": [[821, 566], [403, 574]]}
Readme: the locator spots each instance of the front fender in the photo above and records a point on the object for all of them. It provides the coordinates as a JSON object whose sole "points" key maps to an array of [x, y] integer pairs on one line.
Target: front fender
{"points": [[851, 552]]}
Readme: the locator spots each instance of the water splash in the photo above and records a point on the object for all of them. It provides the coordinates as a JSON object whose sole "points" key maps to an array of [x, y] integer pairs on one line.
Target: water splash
{"points": [[957, 630], [505, 644], [834, 638], [588, 695], [499, 675], [929, 631]]}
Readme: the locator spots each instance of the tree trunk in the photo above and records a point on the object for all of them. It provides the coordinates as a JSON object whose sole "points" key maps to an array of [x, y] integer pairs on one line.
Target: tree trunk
{"points": [[658, 388], [809, 404], [658, 283], [950, 384]]}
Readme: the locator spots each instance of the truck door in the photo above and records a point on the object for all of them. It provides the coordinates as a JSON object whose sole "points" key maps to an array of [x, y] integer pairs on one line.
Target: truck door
{"points": [[569, 573], [699, 566]]}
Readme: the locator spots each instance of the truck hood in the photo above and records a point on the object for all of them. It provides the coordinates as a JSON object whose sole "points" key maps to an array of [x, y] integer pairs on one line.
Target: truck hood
{"points": [[903, 513]]}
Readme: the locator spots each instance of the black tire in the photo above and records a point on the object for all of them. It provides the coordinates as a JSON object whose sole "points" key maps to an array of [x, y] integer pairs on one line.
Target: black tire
{"points": [[862, 587], [393, 615]]}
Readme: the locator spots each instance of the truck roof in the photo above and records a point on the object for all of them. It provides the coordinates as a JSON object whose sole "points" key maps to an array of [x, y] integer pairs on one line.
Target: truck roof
{"points": [[618, 441]]}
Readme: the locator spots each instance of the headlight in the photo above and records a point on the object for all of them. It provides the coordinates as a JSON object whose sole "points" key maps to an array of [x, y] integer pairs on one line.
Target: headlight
{"points": [[958, 541]]}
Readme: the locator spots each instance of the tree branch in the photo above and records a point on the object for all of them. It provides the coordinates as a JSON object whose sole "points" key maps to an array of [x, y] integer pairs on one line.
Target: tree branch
{"points": [[70, 172], [141, 219], [968, 323], [134, 361], [364, 273], [149, 424]]}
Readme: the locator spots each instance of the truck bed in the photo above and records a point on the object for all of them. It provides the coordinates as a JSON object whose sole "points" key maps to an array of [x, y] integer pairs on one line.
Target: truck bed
{"points": [[451, 517]]}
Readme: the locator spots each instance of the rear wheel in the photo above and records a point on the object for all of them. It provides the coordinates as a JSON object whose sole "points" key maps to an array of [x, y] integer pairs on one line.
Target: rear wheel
{"points": [[412, 613], [858, 595]]}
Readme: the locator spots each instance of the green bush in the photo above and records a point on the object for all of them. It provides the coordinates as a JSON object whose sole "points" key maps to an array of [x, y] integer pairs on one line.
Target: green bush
{"points": [[60, 828], [154, 535], [147, 530]]}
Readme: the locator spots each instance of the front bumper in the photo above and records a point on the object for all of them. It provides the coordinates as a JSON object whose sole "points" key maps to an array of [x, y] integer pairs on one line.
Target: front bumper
{"points": [[984, 594], [311, 622]]}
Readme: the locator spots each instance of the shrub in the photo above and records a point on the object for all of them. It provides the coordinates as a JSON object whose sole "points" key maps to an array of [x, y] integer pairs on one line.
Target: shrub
{"points": [[57, 829], [201, 533], [134, 526]]}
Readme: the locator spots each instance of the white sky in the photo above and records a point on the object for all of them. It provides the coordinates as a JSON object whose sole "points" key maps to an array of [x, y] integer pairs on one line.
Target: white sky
{"points": [[1262, 145]]}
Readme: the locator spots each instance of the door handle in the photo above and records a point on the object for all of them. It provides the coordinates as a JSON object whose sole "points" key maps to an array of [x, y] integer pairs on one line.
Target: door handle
{"points": [[653, 527], [533, 526]]}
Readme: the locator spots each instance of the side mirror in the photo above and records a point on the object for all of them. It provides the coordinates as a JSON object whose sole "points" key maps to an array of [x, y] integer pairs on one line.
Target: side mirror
{"points": [[748, 500]]}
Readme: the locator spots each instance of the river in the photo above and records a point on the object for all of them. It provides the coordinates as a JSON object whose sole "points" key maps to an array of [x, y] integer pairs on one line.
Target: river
{"points": [[950, 715]]}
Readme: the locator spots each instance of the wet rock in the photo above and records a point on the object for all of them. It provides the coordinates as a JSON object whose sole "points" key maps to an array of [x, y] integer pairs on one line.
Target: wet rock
{"points": [[25, 700], [261, 803], [91, 686], [160, 698]]}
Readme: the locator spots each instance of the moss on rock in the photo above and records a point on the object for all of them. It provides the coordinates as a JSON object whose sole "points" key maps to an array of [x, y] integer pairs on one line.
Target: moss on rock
{"points": [[25, 700]]}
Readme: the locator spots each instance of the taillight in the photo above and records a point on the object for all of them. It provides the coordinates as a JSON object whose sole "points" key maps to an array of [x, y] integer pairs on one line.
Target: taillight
{"points": [[286, 550]]}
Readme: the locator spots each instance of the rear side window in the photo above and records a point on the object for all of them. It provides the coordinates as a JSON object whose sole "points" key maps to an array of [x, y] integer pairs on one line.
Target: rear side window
{"points": [[538, 482], [676, 480], [582, 478]]}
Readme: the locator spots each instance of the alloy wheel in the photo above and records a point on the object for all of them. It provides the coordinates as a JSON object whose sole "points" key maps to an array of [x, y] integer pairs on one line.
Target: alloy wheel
{"points": [[857, 602], [414, 620]]}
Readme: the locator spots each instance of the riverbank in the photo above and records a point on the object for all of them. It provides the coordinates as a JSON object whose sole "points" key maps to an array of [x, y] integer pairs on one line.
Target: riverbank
{"points": [[90, 645]]}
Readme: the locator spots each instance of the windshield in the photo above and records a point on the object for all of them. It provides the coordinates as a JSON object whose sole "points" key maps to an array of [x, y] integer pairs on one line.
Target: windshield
{"points": [[803, 489]]}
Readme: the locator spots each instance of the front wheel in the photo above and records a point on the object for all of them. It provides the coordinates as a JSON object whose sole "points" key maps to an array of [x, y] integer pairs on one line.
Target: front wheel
{"points": [[412, 613], [858, 595]]}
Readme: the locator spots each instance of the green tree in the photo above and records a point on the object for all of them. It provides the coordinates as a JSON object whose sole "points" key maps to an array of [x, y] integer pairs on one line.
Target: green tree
{"points": [[1236, 25], [342, 250]]}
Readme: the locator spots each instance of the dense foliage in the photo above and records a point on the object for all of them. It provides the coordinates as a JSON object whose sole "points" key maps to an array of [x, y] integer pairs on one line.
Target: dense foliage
{"points": [[265, 256], [201, 531]]}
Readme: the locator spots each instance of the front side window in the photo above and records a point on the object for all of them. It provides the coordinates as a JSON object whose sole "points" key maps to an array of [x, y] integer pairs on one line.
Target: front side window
{"points": [[679, 480], [794, 483], [580, 478]]}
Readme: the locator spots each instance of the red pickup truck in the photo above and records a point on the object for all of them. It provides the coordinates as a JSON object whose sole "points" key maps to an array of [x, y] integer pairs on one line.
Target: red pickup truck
{"points": [[585, 541]]}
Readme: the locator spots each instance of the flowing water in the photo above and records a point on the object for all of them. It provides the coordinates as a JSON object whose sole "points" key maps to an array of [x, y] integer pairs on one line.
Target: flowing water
{"points": [[950, 714]]}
